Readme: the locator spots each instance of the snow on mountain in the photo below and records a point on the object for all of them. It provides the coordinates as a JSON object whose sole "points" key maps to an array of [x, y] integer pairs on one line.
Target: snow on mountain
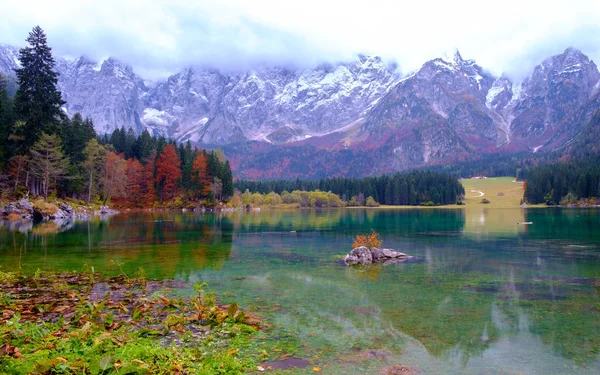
{"points": [[450, 106]]}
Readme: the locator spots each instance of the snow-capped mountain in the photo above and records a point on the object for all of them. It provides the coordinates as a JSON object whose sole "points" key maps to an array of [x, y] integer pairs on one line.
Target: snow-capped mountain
{"points": [[452, 107], [272, 104], [448, 109], [9, 60]]}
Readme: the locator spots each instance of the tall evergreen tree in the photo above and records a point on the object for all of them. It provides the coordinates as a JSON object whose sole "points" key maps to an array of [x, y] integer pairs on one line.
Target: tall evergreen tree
{"points": [[37, 101], [6, 120], [227, 178]]}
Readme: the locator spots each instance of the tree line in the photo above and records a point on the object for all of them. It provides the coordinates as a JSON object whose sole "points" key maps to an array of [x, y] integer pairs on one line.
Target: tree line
{"points": [[564, 182], [44, 152], [574, 178], [413, 188]]}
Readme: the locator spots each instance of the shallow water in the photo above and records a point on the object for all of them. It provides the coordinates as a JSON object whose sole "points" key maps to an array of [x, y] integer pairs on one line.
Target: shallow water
{"points": [[491, 297]]}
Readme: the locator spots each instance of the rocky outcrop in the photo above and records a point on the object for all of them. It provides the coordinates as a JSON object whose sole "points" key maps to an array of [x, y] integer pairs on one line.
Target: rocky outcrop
{"points": [[22, 209], [43, 211], [362, 255]]}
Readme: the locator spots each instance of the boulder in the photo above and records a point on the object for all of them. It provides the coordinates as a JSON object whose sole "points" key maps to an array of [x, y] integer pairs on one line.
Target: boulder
{"points": [[364, 255], [25, 205], [10, 208], [381, 255], [359, 255], [105, 211], [59, 215], [67, 209]]}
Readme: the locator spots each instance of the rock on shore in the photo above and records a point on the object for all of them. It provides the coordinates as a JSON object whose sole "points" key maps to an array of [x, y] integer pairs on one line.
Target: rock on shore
{"points": [[44, 211]]}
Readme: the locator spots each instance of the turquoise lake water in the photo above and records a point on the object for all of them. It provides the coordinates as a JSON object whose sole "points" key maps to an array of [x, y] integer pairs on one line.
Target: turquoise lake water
{"points": [[490, 296]]}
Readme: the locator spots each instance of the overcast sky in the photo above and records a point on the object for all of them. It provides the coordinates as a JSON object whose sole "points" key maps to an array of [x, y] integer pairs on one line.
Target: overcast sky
{"points": [[159, 37]]}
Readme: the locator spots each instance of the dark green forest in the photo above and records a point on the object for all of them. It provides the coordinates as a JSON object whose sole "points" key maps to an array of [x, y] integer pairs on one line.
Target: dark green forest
{"points": [[574, 179], [565, 182], [413, 188]]}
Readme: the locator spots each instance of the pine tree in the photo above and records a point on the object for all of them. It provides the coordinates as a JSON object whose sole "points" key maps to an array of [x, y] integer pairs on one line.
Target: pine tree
{"points": [[37, 101], [143, 146], [227, 178], [6, 120], [48, 163]]}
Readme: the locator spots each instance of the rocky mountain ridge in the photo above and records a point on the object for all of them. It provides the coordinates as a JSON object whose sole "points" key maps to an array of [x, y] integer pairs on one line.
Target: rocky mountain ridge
{"points": [[449, 109]]}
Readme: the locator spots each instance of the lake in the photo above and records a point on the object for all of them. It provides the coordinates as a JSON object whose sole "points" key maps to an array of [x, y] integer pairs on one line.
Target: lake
{"points": [[490, 296]]}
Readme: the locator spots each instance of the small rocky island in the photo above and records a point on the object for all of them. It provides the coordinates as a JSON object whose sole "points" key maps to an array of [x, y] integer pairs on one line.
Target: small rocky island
{"points": [[363, 255]]}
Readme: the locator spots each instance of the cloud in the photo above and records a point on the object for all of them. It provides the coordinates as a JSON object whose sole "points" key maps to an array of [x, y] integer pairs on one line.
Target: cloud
{"points": [[161, 37]]}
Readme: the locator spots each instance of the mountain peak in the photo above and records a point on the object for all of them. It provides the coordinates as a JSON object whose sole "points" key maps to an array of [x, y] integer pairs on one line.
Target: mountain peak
{"points": [[457, 56], [572, 51]]}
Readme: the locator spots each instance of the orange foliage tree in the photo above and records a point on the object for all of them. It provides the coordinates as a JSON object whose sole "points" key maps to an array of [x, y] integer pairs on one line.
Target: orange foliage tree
{"points": [[168, 172], [148, 183], [200, 176], [368, 240], [135, 183]]}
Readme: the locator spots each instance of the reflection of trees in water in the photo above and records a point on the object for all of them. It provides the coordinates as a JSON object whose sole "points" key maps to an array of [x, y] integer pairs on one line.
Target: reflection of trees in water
{"points": [[164, 244], [574, 224], [401, 221]]}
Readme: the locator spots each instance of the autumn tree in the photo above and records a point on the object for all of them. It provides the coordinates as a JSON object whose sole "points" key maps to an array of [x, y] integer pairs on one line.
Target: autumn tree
{"points": [[168, 172], [115, 177], [200, 176], [37, 101], [48, 163], [135, 182], [18, 170], [94, 163], [149, 189]]}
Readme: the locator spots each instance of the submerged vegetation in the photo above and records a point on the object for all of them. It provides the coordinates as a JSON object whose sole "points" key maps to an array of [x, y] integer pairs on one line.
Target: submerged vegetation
{"points": [[81, 323]]}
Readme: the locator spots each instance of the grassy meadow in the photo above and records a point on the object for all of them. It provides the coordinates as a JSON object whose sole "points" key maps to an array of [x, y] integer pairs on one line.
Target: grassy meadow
{"points": [[511, 192]]}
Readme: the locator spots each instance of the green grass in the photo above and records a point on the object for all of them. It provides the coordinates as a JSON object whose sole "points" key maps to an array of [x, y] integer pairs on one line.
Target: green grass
{"points": [[512, 192]]}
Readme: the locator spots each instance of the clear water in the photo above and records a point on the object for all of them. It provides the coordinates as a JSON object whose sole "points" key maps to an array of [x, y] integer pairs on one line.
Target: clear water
{"points": [[490, 297]]}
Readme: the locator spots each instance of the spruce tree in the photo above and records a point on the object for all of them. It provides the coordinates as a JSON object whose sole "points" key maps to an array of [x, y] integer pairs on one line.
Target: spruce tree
{"points": [[37, 101], [227, 178], [6, 120]]}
